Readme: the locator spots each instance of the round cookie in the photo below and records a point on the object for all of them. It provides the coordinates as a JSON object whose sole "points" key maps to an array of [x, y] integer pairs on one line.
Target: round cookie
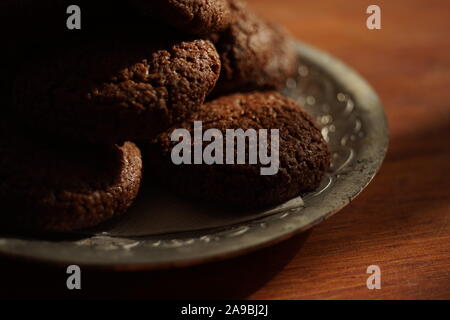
{"points": [[255, 54], [50, 186], [193, 16], [303, 153], [115, 90]]}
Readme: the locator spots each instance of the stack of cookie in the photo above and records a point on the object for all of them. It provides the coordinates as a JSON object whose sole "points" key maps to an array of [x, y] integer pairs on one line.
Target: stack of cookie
{"points": [[82, 104]]}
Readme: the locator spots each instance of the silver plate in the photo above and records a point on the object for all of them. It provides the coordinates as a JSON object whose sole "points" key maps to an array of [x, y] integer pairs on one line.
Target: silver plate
{"points": [[355, 126]]}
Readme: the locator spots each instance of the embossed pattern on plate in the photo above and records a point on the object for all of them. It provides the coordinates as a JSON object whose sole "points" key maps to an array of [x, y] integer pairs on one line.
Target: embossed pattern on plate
{"points": [[353, 123]]}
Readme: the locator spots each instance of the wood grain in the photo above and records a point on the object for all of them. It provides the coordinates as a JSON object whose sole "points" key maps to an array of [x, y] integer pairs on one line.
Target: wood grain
{"points": [[401, 222]]}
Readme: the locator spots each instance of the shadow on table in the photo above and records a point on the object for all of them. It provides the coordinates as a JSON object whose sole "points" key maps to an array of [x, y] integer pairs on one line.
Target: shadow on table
{"points": [[231, 279]]}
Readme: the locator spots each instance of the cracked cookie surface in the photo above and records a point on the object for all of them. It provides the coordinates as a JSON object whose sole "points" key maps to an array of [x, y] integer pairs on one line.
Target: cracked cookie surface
{"points": [[255, 54], [192, 16], [115, 90], [52, 186], [303, 154]]}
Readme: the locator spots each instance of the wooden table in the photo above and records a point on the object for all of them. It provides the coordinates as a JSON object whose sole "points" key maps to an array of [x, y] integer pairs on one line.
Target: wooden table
{"points": [[401, 222]]}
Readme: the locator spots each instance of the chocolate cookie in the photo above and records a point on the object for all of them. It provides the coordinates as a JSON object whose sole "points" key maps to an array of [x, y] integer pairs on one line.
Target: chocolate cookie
{"points": [[192, 16], [303, 153], [115, 90], [255, 54], [50, 186]]}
